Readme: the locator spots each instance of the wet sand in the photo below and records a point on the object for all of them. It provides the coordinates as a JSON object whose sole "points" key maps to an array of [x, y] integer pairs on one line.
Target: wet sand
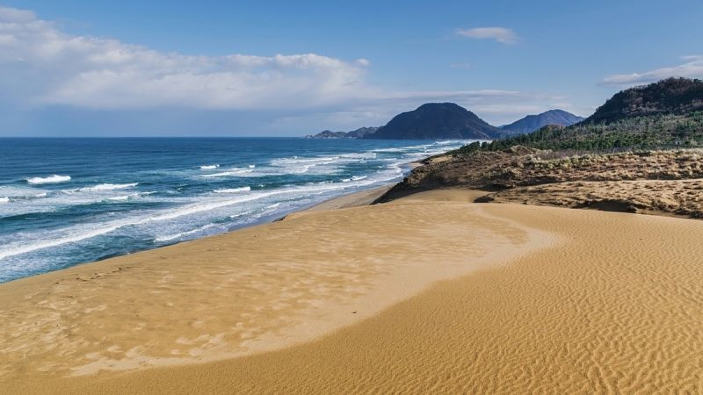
{"points": [[427, 293], [361, 198]]}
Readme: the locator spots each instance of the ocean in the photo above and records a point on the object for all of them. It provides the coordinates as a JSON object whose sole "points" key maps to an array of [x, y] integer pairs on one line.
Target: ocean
{"points": [[68, 201]]}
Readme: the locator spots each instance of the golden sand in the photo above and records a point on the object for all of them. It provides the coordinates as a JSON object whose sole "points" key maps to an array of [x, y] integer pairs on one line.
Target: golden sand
{"points": [[430, 293]]}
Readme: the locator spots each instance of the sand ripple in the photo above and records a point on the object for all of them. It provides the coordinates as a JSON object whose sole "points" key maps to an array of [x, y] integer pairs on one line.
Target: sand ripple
{"points": [[250, 291], [616, 306]]}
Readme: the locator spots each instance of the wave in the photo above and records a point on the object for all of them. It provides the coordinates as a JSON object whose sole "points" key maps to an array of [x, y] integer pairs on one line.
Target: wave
{"points": [[233, 190], [297, 159], [229, 173], [174, 236], [107, 227], [24, 248], [54, 179], [359, 178], [109, 187], [302, 165], [360, 155], [239, 196], [4, 200], [209, 167], [120, 198], [402, 149]]}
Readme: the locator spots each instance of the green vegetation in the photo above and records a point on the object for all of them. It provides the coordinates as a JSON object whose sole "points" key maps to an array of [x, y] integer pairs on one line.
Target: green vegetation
{"points": [[642, 132], [665, 114]]}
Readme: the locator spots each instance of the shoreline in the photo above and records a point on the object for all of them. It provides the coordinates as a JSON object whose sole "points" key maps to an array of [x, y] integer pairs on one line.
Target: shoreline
{"points": [[278, 288], [352, 199], [228, 262]]}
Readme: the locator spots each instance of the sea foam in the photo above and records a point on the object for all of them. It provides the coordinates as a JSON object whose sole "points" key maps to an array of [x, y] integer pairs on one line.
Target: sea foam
{"points": [[175, 236], [233, 190], [229, 173]]}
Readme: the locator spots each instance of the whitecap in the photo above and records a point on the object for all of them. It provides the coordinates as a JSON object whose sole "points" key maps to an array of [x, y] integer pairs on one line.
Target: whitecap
{"points": [[209, 167], [109, 187], [54, 179], [4, 200], [119, 198], [86, 231]]}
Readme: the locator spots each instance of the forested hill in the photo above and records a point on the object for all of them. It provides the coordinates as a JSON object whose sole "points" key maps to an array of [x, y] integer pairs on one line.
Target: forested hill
{"points": [[668, 113], [436, 121], [669, 96]]}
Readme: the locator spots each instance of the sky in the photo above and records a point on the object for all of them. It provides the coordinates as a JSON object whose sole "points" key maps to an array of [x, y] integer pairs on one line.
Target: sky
{"points": [[282, 68]]}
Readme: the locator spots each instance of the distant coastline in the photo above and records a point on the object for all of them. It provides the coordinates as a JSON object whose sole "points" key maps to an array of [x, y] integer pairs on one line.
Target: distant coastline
{"points": [[450, 121]]}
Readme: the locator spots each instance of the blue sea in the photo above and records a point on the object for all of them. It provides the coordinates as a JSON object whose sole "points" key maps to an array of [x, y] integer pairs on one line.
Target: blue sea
{"points": [[68, 201]]}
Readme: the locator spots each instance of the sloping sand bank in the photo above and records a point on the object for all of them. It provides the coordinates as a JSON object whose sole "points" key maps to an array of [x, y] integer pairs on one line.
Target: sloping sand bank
{"points": [[246, 292], [612, 301]]}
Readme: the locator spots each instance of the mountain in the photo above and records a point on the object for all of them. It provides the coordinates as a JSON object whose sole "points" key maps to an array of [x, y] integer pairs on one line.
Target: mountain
{"points": [[328, 134], [531, 123], [669, 96], [436, 121], [665, 114], [361, 132], [354, 134]]}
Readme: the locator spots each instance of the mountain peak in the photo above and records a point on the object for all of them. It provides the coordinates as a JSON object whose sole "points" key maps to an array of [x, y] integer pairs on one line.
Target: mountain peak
{"points": [[436, 121], [531, 123]]}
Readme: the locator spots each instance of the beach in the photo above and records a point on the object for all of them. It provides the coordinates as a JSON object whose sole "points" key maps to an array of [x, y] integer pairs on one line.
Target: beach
{"points": [[428, 293]]}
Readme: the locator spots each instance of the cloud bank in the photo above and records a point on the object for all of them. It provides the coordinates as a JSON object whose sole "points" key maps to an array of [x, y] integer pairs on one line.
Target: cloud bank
{"points": [[104, 73], [692, 67], [49, 78], [500, 34]]}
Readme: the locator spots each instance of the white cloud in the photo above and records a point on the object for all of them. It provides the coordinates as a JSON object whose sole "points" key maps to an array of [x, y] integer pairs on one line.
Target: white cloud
{"points": [[42, 67], [691, 68], [501, 34], [105, 73], [497, 107]]}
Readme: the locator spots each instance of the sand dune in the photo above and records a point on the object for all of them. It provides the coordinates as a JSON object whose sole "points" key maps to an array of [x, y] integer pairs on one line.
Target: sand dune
{"points": [[246, 292], [529, 299]]}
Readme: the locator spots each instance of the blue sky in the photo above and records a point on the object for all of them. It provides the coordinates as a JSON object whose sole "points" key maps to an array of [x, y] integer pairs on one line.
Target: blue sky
{"points": [[104, 68]]}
